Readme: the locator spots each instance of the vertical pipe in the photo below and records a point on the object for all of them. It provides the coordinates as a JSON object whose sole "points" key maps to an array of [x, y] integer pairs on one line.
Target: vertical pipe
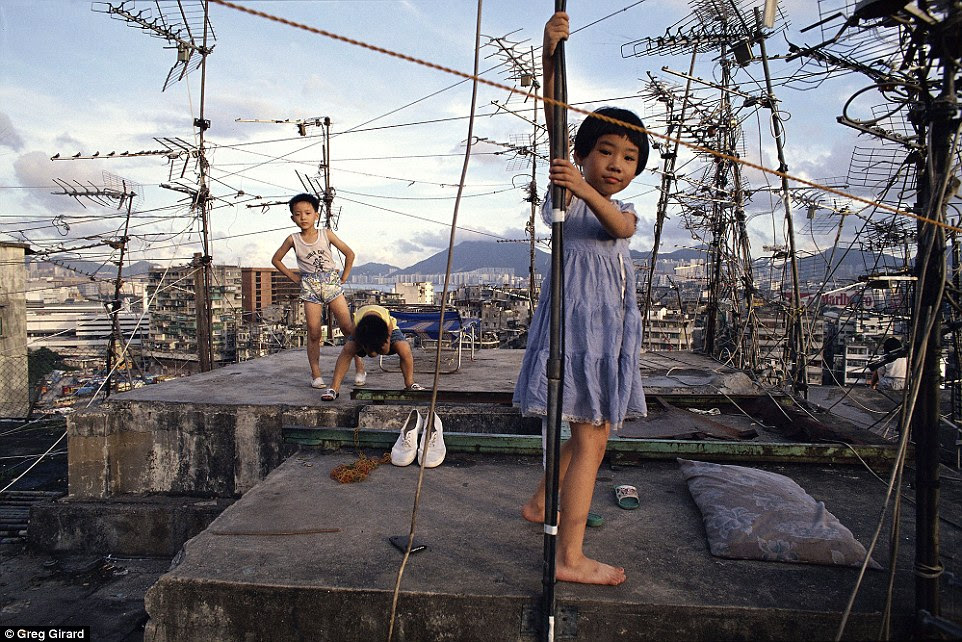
{"points": [[555, 369], [943, 114], [328, 208], [205, 339], [533, 191], [115, 336]]}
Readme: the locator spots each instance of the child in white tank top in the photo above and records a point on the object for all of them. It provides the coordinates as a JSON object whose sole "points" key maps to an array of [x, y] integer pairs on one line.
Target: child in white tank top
{"points": [[321, 281]]}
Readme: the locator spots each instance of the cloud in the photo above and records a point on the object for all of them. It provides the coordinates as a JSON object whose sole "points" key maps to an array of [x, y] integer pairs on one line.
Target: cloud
{"points": [[9, 136]]}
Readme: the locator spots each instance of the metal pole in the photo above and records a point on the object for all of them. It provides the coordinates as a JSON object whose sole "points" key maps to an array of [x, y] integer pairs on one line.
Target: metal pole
{"points": [[555, 369], [201, 307], [718, 214], [943, 118], [115, 304], [328, 208], [205, 339], [797, 357], [533, 191]]}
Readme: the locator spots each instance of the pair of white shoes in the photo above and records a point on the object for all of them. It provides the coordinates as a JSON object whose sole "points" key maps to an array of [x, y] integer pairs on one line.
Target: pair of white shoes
{"points": [[360, 378], [406, 448]]}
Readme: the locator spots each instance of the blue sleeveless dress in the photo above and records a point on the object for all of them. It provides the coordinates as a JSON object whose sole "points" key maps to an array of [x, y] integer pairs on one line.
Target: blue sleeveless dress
{"points": [[602, 329]]}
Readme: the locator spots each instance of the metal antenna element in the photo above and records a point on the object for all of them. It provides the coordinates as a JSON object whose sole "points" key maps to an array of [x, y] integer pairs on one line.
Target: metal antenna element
{"points": [[179, 22], [711, 25], [519, 62], [301, 124], [524, 68], [115, 192]]}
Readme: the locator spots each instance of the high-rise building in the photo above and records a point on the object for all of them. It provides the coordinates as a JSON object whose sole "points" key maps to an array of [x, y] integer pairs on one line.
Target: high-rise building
{"points": [[263, 288], [173, 315], [256, 290]]}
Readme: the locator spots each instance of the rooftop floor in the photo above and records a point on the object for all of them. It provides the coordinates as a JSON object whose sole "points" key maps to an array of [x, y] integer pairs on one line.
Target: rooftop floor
{"points": [[303, 557]]}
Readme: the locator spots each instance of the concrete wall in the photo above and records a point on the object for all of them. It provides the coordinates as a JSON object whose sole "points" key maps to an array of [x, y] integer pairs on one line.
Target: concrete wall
{"points": [[14, 389], [201, 450]]}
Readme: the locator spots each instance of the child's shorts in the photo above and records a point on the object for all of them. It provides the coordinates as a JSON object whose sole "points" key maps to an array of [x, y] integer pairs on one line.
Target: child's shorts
{"points": [[321, 287]]}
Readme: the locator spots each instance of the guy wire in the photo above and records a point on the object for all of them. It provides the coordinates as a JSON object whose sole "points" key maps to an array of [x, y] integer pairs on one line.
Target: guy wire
{"points": [[437, 357]]}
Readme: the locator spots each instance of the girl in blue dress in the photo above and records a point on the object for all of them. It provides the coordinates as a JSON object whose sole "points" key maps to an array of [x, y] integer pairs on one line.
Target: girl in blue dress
{"points": [[602, 379]]}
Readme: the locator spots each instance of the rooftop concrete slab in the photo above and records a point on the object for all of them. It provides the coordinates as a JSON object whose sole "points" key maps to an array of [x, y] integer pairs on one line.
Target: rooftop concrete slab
{"points": [[302, 557], [284, 378]]}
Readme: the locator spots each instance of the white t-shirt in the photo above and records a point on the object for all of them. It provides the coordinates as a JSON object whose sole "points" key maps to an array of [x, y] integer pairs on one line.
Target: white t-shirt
{"points": [[891, 376]]}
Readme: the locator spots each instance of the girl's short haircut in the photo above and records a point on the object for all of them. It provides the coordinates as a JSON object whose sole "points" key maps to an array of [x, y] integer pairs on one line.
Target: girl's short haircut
{"points": [[370, 333], [891, 344], [594, 128], [304, 198]]}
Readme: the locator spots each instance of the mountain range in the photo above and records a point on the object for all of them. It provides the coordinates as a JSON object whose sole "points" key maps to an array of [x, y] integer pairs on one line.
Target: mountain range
{"points": [[475, 255]]}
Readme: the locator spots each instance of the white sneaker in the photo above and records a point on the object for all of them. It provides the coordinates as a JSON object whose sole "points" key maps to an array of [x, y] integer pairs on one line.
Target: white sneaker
{"points": [[318, 382], [436, 448], [360, 378], [406, 447]]}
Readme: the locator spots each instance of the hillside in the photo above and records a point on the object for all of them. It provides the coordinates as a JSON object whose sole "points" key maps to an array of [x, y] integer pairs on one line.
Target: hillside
{"points": [[474, 255]]}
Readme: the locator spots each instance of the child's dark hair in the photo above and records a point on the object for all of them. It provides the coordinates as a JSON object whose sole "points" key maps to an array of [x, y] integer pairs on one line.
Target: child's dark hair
{"points": [[304, 198], [370, 333], [594, 128], [891, 344]]}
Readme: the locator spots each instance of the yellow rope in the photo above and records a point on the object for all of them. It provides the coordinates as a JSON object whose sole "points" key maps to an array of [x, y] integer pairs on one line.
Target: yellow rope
{"points": [[491, 83]]}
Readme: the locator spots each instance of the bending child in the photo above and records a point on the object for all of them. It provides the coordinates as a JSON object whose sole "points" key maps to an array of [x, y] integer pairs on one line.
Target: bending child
{"points": [[602, 323], [375, 333], [321, 282]]}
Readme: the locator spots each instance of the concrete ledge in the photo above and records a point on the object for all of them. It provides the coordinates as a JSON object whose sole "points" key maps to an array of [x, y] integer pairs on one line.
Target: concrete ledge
{"points": [[457, 418], [226, 611], [620, 451], [134, 448], [140, 526]]}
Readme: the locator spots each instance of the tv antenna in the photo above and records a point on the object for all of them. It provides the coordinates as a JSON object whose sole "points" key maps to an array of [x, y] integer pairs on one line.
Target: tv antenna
{"points": [[185, 24], [178, 22], [522, 66], [115, 192]]}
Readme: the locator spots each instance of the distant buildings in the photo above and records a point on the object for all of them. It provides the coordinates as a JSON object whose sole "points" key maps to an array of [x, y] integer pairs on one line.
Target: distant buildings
{"points": [[257, 311], [854, 339], [420, 292], [14, 371], [772, 332], [83, 328], [480, 276], [668, 328]]}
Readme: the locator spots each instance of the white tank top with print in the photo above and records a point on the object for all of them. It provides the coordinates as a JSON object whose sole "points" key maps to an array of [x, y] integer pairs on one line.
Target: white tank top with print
{"points": [[316, 256]]}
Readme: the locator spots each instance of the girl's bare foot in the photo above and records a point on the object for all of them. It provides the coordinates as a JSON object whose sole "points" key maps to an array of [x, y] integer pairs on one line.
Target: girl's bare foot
{"points": [[533, 511], [589, 571]]}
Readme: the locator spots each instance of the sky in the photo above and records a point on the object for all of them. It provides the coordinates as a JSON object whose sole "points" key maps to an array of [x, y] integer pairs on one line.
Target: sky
{"points": [[77, 80]]}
